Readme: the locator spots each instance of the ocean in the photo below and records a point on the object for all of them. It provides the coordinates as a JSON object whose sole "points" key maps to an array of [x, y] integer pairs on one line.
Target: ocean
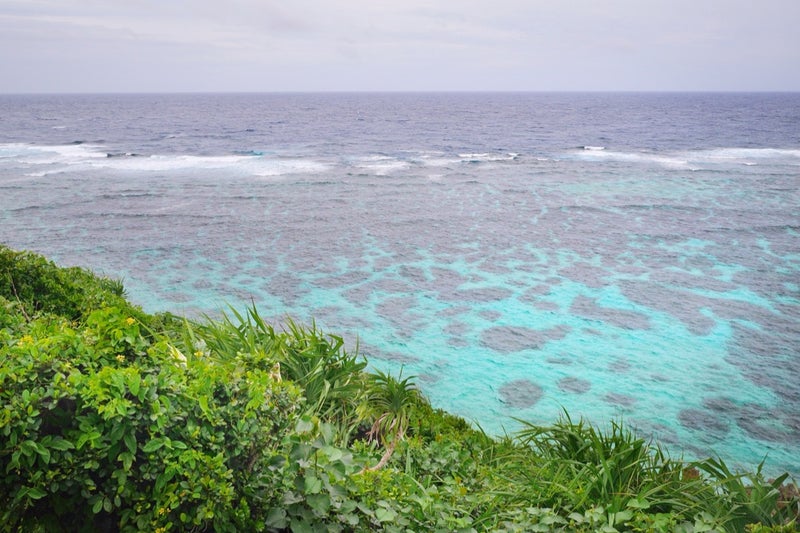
{"points": [[630, 257]]}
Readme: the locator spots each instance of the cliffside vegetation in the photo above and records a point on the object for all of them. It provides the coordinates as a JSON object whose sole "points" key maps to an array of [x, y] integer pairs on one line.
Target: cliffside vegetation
{"points": [[112, 419]]}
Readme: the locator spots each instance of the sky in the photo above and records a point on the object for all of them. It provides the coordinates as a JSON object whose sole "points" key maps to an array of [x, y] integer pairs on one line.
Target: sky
{"points": [[66, 46]]}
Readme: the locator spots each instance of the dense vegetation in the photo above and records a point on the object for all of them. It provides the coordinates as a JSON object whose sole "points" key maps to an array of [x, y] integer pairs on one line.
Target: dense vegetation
{"points": [[113, 419]]}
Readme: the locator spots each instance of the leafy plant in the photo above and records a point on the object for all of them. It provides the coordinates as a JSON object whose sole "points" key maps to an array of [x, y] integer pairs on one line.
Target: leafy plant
{"points": [[751, 499], [101, 426], [389, 402], [330, 379]]}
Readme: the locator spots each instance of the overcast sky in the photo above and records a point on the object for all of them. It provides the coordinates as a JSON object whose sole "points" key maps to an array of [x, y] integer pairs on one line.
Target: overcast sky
{"points": [[398, 45]]}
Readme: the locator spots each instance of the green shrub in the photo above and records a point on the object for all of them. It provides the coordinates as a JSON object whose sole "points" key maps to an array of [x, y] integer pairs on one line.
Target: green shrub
{"points": [[331, 380], [103, 428], [41, 287]]}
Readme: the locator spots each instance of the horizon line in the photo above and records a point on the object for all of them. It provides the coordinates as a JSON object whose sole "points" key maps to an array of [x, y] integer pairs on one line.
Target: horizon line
{"points": [[397, 92]]}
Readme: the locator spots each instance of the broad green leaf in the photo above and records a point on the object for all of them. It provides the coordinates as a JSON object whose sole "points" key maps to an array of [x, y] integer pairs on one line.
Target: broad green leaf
{"points": [[622, 516], [312, 484], [350, 519], [638, 503], [334, 454], [164, 478], [320, 503], [130, 442], [383, 514], [202, 401], [127, 460], [134, 384], [304, 425], [121, 408], [36, 493], [28, 448], [153, 445], [276, 518], [301, 526], [61, 444]]}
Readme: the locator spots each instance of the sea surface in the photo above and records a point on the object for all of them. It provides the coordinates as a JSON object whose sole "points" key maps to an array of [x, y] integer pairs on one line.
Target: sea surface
{"points": [[619, 256]]}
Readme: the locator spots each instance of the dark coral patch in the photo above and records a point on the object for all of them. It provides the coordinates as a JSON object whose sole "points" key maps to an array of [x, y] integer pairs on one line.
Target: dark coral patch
{"points": [[490, 315], [621, 318], [619, 399], [520, 393], [703, 421], [509, 339], [719, 404], [374, 352], [487, 294], [764, 424], [574, 385], [620, 366]]}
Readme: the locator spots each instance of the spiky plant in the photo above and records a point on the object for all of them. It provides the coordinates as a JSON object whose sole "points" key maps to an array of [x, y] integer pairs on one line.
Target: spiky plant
{"points": [[388, 403], [329, 376]]}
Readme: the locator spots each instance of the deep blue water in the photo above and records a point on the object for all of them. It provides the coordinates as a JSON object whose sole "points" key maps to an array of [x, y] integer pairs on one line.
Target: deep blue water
{"points": [[631, 256]]}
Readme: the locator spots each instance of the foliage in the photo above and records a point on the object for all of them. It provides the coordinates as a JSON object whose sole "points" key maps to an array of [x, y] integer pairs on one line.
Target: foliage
{"points": [[101, 426], [331, 380], [38, 286], [388, 402], [112, 419]]}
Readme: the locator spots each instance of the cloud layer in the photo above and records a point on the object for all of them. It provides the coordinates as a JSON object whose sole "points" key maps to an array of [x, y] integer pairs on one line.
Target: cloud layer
{"points": [[258, 45]]}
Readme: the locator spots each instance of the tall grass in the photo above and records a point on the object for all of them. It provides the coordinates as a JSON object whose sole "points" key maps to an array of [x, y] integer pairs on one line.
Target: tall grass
{"points": [[750, 498], [331, 378], [576, 466]]}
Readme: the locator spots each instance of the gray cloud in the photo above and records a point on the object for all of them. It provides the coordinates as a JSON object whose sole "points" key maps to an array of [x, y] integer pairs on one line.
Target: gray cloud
{"points": [[257, 45]]}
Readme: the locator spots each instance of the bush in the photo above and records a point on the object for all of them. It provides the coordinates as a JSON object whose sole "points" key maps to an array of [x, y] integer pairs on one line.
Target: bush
{"points": [[41, 287], [104, 428]]}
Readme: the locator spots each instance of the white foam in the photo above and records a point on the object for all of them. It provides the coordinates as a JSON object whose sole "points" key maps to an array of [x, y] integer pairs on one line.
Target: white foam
{"points": [[758, 153], [717, 157], [667, 160], [747, 156], [43, 160], [161, 163], [434, 159], [48, 155], [438, 162], [694, 159], [594, 148], [282, 167], [255, 165], [488, 157], [380, 165]]}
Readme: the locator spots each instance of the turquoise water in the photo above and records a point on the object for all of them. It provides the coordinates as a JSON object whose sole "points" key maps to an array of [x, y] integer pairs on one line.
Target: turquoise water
{"points": [[636, 258]]}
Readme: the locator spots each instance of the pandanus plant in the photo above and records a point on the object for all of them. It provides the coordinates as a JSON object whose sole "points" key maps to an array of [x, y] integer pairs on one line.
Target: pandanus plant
{"points": [[388, 402]]}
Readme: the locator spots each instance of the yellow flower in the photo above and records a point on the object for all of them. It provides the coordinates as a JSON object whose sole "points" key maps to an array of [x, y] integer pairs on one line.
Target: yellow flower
{"points": [[177, 355], [198, 353], [120, 358], [26, 339], [130, 321]]}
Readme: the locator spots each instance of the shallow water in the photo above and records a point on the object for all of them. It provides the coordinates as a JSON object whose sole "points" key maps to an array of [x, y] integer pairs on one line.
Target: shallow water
{"points": [[617, 256]]}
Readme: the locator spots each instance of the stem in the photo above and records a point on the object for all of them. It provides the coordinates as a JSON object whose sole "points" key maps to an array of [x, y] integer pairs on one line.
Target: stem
{"points": [[386, 455]]}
